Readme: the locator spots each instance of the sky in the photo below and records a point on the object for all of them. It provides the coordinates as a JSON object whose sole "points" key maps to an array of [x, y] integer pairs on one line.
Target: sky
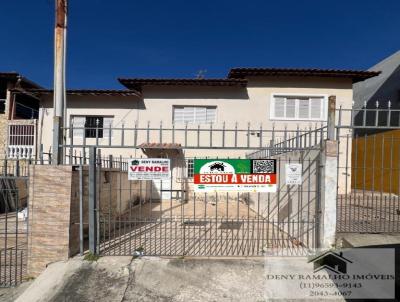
{"points": [[108, 39]]}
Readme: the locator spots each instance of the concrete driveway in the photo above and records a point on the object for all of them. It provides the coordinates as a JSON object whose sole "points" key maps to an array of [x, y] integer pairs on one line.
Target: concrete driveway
{"points": [[119, 279]]}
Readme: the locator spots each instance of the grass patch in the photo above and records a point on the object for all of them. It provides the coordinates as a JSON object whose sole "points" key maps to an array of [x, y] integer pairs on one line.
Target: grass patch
{"points": [[91, 257], [29, 278]]}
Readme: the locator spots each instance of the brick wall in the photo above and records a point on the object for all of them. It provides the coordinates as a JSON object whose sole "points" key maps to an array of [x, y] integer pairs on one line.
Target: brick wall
{"points": [[3, 135], [54, 209], [49, 216]]}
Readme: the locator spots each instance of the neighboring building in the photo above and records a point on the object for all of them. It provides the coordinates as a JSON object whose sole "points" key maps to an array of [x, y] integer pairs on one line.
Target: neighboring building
{"points": [[382, 92], [18, 113], [382, 88]]}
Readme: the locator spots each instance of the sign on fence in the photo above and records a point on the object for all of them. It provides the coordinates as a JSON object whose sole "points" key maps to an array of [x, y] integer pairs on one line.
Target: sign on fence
{"points": [[149, 169], [235, 175], [293, 174]]}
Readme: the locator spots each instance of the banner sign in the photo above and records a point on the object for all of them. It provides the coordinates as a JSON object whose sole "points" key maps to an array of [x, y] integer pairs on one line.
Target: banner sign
{"points": [[235, 175], [149, 169], [293, 174]]}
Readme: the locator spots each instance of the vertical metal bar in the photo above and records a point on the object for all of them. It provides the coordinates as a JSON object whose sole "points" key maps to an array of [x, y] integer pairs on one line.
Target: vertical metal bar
{"points": [[223, 135], [148, 132], [81, 210], [211, 134], [236, 128], [135, 134], [248, 135], [331, 117], [160, 133], [92, 201], [186, 128], [173, 133], [364, 121], [123, 134]]}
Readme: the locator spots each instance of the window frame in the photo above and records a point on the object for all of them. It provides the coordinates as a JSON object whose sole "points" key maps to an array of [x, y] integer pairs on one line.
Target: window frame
{"points": [[195, 106], [189, 168], [103, 129], [272, 116]]}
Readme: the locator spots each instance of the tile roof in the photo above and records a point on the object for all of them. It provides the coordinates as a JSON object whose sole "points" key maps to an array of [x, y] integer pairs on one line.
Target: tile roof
{"points": [[137, 84], [355, 75], [110, 92]]}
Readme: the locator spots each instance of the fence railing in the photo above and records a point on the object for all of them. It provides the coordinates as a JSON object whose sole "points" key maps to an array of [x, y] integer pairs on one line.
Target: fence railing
{"points": [[369, 117], [187, 136], [299, 140], [21, 140]]}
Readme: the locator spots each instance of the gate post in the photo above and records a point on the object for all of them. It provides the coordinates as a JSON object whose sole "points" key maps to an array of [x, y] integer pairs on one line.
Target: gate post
{"points": [[92, 201], [329, 182]]}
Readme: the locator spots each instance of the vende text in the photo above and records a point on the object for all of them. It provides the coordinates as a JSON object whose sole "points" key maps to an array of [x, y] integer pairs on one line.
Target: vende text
{"points": [[149, 169], [235, 178]]}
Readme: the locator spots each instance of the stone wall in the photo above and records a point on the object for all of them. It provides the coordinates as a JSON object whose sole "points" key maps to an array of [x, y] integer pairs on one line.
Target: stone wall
{"points": [[3, 135], [49, 216]]}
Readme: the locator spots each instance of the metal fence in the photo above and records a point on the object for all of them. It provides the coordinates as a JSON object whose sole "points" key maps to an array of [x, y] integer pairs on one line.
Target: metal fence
{"points": [[13, 229], [188, 136], [168, 218], [368, 170]]}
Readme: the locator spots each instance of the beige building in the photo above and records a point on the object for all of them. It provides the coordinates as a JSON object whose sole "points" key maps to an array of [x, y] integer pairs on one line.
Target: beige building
{"points": [[228, 117]]}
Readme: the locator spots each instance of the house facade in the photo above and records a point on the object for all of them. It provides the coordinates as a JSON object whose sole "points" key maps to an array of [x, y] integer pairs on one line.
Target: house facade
{"points": [[251, 107], [267, 98]]}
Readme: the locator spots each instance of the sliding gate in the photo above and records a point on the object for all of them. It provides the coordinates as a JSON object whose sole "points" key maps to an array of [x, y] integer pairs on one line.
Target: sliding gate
{"points": [[169, 218]]}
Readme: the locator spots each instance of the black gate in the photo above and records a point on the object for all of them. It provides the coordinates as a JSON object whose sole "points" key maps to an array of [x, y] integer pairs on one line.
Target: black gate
{"points": [[13, 224]]}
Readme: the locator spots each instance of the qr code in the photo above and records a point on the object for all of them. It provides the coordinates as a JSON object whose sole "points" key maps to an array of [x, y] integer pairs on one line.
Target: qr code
{"points": [[263, 166]]}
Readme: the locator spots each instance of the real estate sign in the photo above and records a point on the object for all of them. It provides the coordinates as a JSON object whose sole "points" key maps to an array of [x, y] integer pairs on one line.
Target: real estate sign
{"points": [[293, 174], [149, 169], [235, 175]]}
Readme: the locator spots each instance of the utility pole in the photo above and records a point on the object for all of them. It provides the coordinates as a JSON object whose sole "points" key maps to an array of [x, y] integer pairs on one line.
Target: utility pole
{"points": [[59, 94]]}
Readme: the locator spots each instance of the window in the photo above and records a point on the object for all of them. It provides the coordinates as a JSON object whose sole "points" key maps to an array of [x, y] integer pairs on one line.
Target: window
{"points": [[298, 107], [190, 167], [194, 114], [91, 126], [94, 126]]}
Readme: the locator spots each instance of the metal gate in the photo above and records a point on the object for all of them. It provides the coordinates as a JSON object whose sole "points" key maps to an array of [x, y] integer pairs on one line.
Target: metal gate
{"points": [[368, 170], [13, 223], [137, 217]]}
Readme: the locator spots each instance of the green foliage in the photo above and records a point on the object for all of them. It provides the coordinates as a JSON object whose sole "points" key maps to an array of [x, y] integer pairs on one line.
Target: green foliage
{"points": [[91, 257]]}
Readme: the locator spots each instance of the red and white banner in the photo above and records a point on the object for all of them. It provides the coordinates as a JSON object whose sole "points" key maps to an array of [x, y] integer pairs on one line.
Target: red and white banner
{"points": [[149, 169]]}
